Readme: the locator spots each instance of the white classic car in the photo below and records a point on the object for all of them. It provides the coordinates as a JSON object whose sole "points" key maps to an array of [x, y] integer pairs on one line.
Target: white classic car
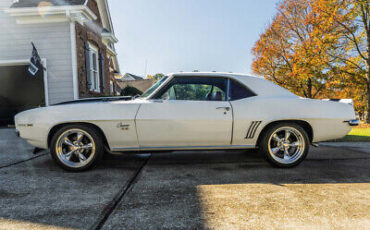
{"points": [[188, 111]]}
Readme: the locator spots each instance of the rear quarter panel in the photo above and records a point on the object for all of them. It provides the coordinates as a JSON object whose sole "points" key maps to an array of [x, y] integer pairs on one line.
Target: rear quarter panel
{"points": [[326, 118]]}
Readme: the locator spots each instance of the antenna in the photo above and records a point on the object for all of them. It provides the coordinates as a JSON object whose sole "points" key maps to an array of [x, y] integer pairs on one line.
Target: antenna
{"points": [[146, 67]]}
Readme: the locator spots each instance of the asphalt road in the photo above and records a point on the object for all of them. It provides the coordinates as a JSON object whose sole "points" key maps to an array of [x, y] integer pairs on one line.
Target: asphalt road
{"points": [[185, 190]]}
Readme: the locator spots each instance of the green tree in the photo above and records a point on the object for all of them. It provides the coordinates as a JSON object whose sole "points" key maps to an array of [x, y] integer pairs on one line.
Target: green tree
{"points": [[130, 91]]}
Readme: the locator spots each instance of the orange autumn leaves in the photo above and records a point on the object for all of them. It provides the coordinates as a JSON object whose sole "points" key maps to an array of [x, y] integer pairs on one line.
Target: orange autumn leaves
{"points": [[317, 49]]}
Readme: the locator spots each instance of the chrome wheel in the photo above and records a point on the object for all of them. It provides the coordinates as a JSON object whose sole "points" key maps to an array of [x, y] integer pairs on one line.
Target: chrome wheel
{"points": [[75, 148], [286, 145]]}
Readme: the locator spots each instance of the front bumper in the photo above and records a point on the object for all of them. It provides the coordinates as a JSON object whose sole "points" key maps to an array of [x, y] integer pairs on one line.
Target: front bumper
{"points": [[353, 122]]}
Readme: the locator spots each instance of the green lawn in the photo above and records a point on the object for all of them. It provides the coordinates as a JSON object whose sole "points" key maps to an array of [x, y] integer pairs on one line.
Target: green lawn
{"points": [[358, 134]]}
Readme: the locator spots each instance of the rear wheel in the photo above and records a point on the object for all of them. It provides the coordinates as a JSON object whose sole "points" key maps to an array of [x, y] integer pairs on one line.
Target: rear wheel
{"points": [[77, 147], [285, 145]]}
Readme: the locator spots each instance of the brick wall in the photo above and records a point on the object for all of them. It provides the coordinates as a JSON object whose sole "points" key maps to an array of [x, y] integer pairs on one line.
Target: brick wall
{"points": [[91, 32], [93, 6], [85, 34]]}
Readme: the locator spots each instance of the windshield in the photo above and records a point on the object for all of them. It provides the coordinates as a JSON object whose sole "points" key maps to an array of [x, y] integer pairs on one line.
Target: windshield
{"points": [[154, 87]]}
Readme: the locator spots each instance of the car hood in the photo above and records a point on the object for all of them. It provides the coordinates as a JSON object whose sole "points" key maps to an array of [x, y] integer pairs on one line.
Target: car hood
{"points": [[102, 109]]}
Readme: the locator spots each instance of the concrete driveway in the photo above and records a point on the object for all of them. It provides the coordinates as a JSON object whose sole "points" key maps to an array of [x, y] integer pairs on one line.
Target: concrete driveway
{"points": [[185, 190]]}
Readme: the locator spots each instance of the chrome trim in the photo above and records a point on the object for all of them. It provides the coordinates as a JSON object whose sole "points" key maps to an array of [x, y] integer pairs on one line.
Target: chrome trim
{"points": [[228, 89], [353, 122], [227, 108], [315, 144], [184, 147]]}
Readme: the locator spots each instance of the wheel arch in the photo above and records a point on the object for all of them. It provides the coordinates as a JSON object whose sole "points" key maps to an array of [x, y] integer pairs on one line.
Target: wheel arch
{"points": [[304, 124], [56, 127]]}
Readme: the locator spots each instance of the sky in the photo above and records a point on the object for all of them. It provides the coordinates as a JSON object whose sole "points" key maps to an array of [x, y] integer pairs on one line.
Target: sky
{"points": [[164, 36]]}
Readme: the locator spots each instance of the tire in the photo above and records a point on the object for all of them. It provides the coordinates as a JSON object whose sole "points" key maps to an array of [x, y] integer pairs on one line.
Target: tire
{"points": [[282, 153], [77, 147]]}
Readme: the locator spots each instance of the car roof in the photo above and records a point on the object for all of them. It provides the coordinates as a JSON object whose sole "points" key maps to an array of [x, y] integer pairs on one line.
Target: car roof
{"points": [[259, 85], [208, 74]]}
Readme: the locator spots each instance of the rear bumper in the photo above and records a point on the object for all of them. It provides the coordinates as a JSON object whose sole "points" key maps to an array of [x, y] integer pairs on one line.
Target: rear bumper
{"points": [[353, 122]]}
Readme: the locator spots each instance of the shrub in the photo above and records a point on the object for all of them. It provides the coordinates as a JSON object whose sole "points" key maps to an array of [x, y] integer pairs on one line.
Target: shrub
{"points": [[130, 91]]}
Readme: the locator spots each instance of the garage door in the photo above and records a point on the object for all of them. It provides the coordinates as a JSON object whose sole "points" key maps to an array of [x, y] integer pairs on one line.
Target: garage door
{"points": [[19, 91]]}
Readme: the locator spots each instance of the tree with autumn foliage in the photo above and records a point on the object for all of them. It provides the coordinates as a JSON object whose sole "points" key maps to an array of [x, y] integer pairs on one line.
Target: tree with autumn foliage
{"points": [[319, 49], [156, 77]]}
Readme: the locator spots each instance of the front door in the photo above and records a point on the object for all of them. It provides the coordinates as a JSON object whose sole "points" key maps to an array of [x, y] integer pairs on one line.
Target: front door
{"points": [[187, 112]]}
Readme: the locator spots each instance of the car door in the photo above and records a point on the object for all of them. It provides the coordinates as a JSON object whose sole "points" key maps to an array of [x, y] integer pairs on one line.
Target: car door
{"points": [[186, 112]]}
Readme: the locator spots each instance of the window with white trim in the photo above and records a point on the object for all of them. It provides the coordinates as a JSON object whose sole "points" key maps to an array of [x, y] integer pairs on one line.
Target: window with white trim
{"points": [[94, 68]]}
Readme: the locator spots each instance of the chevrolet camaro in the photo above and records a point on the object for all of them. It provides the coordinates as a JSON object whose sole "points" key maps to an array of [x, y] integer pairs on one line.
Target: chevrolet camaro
{"points": [[188, 111]]}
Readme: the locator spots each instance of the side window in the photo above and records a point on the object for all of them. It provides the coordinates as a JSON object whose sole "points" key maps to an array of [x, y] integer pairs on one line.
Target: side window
{"points": [[239, 91], [217, 93], [194, 89]]}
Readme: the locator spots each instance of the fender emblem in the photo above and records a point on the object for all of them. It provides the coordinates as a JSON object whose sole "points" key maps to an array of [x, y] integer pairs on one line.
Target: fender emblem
{"points": [[123, 126], [25, 125]]}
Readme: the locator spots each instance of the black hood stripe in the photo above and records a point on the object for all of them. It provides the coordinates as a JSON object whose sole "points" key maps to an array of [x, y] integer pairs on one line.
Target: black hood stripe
{"points": [[96, 99]]}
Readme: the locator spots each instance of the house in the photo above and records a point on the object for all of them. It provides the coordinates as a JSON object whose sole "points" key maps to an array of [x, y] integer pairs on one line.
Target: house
{"points": [[75, 40], [135, 81], [131, 77]]}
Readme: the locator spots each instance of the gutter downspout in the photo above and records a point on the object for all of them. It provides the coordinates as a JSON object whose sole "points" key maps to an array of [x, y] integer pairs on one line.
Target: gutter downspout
{"points": [[72, 28]]}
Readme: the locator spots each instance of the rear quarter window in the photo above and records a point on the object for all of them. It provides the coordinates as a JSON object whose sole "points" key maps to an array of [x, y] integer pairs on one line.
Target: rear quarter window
{"points": [[239, 91]]}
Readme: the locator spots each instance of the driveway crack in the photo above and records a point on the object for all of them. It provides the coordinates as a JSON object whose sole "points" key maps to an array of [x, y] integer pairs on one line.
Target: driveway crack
{"points": [[22, 161], [109, 208]]}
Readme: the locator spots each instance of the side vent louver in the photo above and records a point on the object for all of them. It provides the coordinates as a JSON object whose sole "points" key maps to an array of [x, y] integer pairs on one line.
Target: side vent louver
{"points": [[252, 129]]}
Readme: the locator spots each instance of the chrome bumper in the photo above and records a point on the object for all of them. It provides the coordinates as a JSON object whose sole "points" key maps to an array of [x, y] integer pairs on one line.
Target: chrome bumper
{"points": [[353, 122]]}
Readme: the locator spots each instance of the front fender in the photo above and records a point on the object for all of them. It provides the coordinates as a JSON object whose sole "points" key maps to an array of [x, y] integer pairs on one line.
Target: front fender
{"points": [[107, 116]]}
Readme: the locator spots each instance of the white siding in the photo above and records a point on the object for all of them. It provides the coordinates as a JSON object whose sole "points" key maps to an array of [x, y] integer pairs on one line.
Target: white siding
{"points": [[52, 41]]}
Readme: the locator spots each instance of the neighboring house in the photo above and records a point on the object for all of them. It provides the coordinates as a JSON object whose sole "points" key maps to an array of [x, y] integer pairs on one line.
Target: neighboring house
{"points": [[131, 77], [135, 81], [75, 40]]}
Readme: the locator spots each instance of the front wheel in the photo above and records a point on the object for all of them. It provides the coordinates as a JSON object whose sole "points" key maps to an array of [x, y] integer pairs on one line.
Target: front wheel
{"points": [[285, 145], [76, 147]]}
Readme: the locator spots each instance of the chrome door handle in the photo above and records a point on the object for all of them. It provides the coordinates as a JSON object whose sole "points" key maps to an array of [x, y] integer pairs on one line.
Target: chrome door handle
{"points": [[227, 108]]}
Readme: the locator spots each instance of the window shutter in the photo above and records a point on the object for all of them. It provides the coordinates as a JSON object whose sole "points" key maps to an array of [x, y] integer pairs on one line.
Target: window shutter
{"points": [[102, 71], [87, 60]]}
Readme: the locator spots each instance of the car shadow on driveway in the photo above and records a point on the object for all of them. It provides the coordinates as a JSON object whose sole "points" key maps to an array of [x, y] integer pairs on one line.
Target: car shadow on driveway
{"points": [[37, 194], [239, 190], [190, 190]]}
